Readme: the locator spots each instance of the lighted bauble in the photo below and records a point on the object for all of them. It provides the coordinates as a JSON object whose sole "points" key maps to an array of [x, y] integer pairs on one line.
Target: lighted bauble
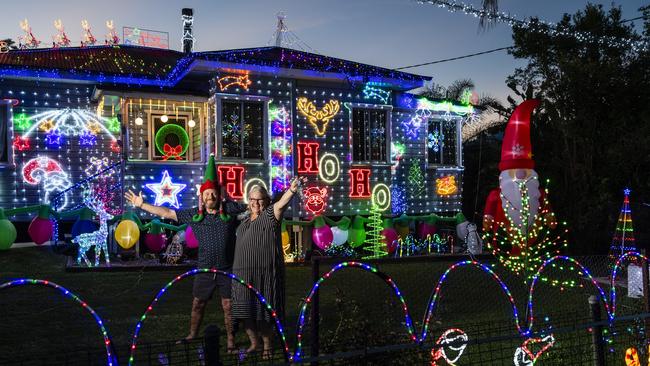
{"points": [[139, 121], [127, 234], [425, 230], [7, 232], [357, 232], [340, 236], [155, 242], [164, 118], [40, 229], [190, 239], [191, 123], [321, 234]]}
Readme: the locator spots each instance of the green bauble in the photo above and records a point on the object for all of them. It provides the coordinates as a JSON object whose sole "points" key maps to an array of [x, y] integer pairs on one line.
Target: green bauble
{"points": [[7, 234]]}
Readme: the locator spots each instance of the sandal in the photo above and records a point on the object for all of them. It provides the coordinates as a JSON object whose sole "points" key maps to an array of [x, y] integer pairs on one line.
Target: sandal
{"points": [[267, 354]]}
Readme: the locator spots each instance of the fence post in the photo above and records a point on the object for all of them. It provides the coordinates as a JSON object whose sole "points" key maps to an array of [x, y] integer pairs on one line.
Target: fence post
{"points": [[597, 332], [211, 351], [315, 309]]}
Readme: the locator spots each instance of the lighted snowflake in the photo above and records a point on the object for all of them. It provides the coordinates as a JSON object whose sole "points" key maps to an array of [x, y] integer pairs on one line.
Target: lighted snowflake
{"points": [[518, 149], [434, 141]]}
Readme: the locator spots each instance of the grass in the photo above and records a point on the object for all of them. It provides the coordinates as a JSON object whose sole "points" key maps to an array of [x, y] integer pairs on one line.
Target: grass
{"points": [[356, 307]]}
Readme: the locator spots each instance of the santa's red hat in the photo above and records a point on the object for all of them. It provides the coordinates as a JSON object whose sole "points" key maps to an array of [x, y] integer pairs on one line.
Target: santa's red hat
{"points": [[516, 149]]}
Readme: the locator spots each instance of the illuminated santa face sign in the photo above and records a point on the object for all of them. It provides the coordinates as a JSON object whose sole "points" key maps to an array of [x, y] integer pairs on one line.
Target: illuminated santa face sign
{"points": [[315, 199]]}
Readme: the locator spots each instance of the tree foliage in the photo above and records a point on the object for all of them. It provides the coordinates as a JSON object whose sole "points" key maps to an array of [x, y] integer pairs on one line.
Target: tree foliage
{"points": [[591, 136]]}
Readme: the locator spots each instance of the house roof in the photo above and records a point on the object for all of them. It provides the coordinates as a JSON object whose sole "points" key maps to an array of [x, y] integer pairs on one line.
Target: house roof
{"points": [[165, 68]]}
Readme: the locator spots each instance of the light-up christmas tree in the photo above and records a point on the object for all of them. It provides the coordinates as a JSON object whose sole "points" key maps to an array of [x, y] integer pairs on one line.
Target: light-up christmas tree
{"points": [[374, 238], [416, 180], [623, 240]]}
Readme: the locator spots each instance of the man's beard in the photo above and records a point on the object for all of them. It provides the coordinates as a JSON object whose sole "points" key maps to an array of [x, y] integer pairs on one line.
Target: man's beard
{"points": [[512, 197], [211, 204]]}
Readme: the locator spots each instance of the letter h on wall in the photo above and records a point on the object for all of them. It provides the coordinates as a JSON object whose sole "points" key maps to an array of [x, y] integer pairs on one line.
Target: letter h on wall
{"points": [[232, 177], [308, 157], [359, 183]]}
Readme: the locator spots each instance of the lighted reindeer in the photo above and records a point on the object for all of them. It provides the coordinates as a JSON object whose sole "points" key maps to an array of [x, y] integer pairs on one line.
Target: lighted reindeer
{"points": [[97, 238]]}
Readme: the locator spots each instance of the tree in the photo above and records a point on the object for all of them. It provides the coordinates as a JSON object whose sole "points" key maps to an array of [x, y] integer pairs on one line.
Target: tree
{"points": [[591, 135]]}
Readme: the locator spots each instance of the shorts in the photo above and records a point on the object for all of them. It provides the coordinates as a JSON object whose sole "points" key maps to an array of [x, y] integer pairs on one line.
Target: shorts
{"points": [[206, 283]]}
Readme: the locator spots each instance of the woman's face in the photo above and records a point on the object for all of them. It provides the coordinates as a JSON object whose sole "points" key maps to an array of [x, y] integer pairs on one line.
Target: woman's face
{"points": [[256, 202]]}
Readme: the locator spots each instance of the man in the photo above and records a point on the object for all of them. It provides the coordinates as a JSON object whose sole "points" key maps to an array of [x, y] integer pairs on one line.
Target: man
{"points": [[214, 225], [518, 181]]}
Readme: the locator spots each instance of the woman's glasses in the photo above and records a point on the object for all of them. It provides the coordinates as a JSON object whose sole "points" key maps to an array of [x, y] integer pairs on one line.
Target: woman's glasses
{"points": [[258, 200]]}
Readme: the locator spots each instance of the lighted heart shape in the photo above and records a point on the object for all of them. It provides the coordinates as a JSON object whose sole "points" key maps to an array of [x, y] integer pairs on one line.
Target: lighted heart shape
{"points": [[547, 342]]}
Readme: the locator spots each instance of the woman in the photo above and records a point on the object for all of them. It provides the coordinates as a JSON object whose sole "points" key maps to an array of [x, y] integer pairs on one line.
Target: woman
{"points": [[259, 261]]}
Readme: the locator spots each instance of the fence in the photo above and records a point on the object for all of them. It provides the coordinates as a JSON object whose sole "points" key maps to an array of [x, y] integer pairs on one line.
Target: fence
{"points": [[361, 321]]}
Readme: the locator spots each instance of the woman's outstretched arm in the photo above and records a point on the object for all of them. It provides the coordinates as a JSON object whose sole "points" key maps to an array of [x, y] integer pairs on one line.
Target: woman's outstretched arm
{"points": [[279, 206]]}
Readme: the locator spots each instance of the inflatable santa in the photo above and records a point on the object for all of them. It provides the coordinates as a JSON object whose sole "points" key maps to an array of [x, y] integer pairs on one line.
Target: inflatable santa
{"points": [[518, 182]]}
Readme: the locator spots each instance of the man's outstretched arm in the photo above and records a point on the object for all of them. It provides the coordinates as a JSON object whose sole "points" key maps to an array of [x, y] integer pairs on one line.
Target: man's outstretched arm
{"points": [[138, 201]]}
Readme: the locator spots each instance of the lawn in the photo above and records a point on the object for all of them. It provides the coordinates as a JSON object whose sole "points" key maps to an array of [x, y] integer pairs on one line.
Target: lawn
{"points": [[357, 308]]}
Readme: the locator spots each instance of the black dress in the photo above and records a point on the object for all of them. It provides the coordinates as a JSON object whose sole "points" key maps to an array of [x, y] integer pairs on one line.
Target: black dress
{"points": [[259, 260]]}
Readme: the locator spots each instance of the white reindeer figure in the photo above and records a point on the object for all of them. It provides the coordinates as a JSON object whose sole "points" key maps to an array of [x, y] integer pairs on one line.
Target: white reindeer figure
{"points": [[97, 238]]}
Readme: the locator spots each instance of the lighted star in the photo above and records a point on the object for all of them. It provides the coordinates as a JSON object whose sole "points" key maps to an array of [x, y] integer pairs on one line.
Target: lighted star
{"points": [[22, 122], [46, 126], [21, 144], [166, 191], [53, 139], [412, 127], [94, 128], [627, 191], [87, 139], [113, 125]]}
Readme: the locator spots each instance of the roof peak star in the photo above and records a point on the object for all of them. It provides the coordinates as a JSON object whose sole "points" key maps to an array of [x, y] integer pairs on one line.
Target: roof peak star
{"points": [[166, 191]]}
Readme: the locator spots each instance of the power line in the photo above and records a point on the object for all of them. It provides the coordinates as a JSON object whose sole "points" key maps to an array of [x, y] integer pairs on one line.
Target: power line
{"points": [[455, 58]]}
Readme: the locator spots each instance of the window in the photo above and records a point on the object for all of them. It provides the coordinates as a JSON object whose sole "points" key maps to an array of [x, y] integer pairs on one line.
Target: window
{"points": [[441, 142], [369, 134], [5, 144], [242, 129], [170, 137]]}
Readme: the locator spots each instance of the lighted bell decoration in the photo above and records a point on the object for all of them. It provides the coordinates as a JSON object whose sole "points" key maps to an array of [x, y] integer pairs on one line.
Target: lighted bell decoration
{"points": [[127, 231], [284, 236], [390, 235], [84, 223], [190, 239], [7, 232], [426, 229], [340, 230], [155, 238], [40, 229], [357, 234], [321, 234]]}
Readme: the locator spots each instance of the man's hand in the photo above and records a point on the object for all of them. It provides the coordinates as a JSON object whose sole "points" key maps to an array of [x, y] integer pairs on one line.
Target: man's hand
{"points": [[135, 200]]}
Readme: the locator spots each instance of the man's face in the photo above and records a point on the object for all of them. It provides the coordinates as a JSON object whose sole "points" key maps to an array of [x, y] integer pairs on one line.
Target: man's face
{"points": [[211, 198]]}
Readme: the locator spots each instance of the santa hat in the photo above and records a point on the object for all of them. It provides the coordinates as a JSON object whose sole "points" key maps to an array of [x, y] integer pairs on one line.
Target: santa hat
{"points": [[209, 182], [516, 149]]}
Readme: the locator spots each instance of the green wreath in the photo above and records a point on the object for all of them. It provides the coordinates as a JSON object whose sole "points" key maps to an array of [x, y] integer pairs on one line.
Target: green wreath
{"points": [[177, 130]]}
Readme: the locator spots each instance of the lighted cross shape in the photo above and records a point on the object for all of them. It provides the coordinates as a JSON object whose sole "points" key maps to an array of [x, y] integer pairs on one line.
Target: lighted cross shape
{"points": [[166, 191]]}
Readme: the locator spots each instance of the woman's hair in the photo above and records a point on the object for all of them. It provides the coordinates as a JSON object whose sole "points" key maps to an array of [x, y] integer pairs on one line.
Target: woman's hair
{"points": [[265, 194]]}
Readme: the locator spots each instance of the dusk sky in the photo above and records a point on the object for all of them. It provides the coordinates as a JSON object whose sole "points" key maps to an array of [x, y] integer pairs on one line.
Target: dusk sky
{"points": [[388, 33]]}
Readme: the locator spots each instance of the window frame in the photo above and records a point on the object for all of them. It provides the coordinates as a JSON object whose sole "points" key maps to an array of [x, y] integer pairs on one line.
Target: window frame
{"points": [[219, 98], [388, 109], [458, 146], [9, 117], [151, 136]]}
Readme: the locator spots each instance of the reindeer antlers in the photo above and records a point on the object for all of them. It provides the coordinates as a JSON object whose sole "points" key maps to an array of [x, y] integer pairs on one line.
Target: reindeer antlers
{"points": [[309, 110]]}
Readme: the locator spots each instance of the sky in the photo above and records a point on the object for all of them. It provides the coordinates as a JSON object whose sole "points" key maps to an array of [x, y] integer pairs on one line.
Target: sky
{"points": [[387, 33]]}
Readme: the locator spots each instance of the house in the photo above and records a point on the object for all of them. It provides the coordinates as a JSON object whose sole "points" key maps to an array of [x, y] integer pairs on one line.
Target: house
{"points": [[129, 117]]}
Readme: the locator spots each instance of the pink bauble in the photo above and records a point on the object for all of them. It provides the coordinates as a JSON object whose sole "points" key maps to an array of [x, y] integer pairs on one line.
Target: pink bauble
{"points": [[425, 229], [322, 237], [155, 242], [190, 240], [390, 239], [40, 230]]}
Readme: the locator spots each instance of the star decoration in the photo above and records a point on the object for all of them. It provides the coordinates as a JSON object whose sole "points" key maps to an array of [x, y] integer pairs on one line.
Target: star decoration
{"points": [[46, 126], [22, 122], [412, 127], [113, 125], [166, 191], [87, 139], [517, 149], [627, 191], [21, 144], [115, 146], [94, 128], [53, 139]]}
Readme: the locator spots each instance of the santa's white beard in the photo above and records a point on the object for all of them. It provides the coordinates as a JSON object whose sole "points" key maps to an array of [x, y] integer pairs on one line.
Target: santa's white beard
{"points": [[512, 198]]}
